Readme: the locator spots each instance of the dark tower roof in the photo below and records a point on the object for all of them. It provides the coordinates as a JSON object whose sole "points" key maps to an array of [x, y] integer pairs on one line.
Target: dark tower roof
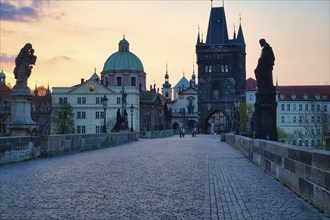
{"points": [[217, 31], [240, 36]]}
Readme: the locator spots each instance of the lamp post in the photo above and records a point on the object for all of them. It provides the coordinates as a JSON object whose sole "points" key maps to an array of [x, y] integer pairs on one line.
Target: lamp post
{"points": [[237, 119], [105, 104], [132, 110]]}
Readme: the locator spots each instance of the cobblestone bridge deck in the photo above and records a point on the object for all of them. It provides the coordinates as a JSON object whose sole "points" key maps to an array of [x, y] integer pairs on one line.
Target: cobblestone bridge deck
{"points": [[170, 178]]}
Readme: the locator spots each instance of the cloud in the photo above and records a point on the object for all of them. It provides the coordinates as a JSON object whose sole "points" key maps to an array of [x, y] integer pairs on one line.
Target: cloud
{"points": [[6, 58], [10, 12], [60, 58]]}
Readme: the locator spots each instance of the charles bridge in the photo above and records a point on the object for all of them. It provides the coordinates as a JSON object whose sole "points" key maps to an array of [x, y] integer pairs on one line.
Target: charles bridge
{"points": [[170, 178]]}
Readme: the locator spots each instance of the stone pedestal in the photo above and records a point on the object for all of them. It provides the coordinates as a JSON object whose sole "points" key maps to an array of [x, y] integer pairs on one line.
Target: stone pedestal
{"points": [[121, 124], [265, 115], [21, 123]]}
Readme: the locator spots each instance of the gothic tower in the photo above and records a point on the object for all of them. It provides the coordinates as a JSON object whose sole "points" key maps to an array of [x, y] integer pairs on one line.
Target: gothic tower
{"points": [[221, 74]]}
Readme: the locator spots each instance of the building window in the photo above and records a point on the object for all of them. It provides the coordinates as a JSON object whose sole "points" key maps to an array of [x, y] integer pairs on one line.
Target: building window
{"points": [[325, 108], [300, 143], [210, 69], [206, 69], [288, 107], [312, 131], [250, 97], [97, 129], [97, 100], [318, 131], [318, 119], [282, 107], [83, 100], [306, 119], [63, 100], [300, 107], [282, 119], [222, 68], [83, 114], [133, 81], [312, 143], [226, 69], [306, 143], [78, 129], [102, 114], [78, 115], [318, 107], [300, 119], [78, 100], [118, 100], [83, 129], [313, 107], [294, 119], [313, 119], [60, 100], [97, 114], [306, 107], [118, 81]]}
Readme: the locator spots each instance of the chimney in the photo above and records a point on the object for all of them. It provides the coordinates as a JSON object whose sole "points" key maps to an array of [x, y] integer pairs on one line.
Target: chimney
{"points": [[82, 80]]}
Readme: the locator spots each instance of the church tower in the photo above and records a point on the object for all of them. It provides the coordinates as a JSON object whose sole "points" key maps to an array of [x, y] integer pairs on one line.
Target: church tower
{"points": [[166, 89], [221, 73]]}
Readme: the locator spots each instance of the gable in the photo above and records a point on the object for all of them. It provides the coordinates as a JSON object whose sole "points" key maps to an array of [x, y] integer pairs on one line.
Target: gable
{"points": [[90, 87]]}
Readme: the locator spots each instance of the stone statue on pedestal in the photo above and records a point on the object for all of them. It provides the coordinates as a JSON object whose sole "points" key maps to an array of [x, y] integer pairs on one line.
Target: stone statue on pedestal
{"points": [[21, 123], [24, 61], [265, 106], [263, 72]]}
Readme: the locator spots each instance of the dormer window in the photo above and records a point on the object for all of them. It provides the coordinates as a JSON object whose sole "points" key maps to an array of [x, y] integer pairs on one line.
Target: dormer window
{"points": [[317, 97], [305, 97], [324, 97], [293, 97], [282, 97]]}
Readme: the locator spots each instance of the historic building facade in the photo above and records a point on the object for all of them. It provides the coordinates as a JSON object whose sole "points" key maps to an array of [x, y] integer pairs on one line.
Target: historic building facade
{"points": [[303, 112], [221, 73], [5, 105]]}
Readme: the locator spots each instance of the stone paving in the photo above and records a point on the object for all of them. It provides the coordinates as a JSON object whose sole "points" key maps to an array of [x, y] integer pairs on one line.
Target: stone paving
{"points": [[170, 178]]}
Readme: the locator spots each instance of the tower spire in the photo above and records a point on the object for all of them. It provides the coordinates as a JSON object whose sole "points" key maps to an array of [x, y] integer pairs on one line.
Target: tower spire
{"points": [[198, 39]]}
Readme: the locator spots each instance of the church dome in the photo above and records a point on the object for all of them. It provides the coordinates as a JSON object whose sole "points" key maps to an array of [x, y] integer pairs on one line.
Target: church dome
{"points": [[123, 60]]}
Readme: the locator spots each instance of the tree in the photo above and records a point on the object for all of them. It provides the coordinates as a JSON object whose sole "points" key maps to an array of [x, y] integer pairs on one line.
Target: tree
{"points": [[63, 119], [245, 114]]}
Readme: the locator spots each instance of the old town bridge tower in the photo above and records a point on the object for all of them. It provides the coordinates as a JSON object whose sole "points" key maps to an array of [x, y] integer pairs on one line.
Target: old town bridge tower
{"points": [[221, 74]]}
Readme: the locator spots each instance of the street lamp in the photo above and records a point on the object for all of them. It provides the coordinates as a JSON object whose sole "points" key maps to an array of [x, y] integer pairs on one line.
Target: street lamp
{"points": [[132, 110], [105, 104], [237, 119]]}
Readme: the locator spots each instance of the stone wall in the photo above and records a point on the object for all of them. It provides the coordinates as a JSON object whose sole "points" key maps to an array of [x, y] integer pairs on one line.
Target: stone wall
{"points": [[53, 145], [156, 134], [304, 170], [15, 149]]}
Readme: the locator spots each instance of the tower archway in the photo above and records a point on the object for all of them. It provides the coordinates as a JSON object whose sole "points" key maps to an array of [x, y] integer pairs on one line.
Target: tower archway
{"points": [[217, 122]]}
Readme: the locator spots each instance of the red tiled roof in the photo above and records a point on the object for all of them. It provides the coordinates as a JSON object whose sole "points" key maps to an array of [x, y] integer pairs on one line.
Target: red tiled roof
{"points": [[304, 93], [251, 84]]}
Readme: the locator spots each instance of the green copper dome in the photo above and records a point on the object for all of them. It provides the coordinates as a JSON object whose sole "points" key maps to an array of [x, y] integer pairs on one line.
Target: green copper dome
{"points": [[123, 60]]}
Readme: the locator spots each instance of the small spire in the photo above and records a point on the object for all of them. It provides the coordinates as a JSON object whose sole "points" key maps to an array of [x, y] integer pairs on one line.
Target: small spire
{"points": [[94, 69], [124, 36], [198, 39], [166, 68], [234, 38], [240, 19], [202, 37]]}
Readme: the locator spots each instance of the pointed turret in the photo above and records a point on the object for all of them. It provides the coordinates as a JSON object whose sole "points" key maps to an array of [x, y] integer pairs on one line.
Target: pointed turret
{"points": [[35, 90], [198, 39], [234, 37], [193, 77], [217, 30], [48, 93], [240, 38]]}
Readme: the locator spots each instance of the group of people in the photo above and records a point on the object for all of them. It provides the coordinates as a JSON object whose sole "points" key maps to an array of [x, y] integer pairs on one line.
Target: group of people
{"points": [[183, 132]]}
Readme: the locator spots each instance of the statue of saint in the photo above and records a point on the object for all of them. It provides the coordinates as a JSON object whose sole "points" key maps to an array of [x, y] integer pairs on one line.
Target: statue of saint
{"points": [[264, 69], [24, 61]]}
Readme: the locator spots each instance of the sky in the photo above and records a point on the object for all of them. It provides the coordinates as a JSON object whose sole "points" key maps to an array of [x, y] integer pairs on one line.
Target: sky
{"points": [[71, 38]]}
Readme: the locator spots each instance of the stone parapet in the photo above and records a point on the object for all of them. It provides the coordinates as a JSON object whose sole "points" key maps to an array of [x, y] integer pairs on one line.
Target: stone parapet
{"points": [[15, 149], [54, 145], [156, 134], [304, 170]]}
